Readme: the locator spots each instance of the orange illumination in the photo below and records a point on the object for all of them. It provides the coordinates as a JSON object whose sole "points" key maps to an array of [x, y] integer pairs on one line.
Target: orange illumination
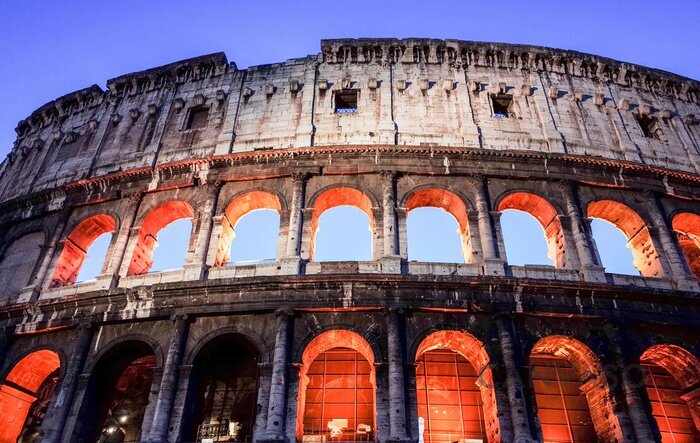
{"points": [[455, 388], [447, 201], [646, 258], [20, 390], [672, 377], [688, 228], [546, 215], [337, 389], [568, 379], [76, 247], [339, 197], [156, 220], [237, 209]]}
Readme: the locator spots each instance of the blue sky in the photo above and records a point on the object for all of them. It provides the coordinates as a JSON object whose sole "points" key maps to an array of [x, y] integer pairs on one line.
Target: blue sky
{"points": [[50, 48]]}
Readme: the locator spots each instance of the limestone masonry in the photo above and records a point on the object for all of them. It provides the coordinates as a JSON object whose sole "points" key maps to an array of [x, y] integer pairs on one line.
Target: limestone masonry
{"points": [[385, 350]]}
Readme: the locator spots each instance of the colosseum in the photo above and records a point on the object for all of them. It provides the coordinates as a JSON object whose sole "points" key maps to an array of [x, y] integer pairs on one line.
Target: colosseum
{"points": [[384, 350]]}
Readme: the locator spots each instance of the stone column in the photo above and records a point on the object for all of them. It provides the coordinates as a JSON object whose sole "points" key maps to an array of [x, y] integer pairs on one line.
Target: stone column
{"points": [[55, 420], [276, 411], [514, 384], [292, 258], [491, 262], [4, 344], [630, 388], [115, 260], [679, 272], [590, 269], [397, 397], [197, 269], [391, 260], [169, 380]]}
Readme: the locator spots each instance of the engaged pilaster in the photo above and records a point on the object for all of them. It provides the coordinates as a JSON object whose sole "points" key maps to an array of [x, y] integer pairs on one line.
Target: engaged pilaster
{"points": [[492, 264], [292, 258], [199, 266], [391, 260], [397, 397]]}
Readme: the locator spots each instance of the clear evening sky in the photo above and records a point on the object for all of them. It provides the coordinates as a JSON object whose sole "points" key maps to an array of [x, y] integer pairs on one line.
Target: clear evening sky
{"points": [[50, 48]]}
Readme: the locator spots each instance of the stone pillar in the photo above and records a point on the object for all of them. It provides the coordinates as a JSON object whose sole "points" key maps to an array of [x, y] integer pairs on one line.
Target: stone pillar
{"points": [[276, 411], [55, 420], [391, 260], [679, 273], [514, 384], [4, 344], [115, 260], [640, 424], [491, 263], [292, 256], [397, 397], [31, 292], [590, 269], [169, 380], [197, 269]]}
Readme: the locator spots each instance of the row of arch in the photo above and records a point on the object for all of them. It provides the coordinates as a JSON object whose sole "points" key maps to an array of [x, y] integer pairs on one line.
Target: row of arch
{"points": [[455, 394], [637, 232]]}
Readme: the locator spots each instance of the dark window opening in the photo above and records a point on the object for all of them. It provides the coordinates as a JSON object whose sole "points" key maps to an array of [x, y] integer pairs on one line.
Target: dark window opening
{"points": [[198, 118], [502, 105], [346, 101], [649, 126]]}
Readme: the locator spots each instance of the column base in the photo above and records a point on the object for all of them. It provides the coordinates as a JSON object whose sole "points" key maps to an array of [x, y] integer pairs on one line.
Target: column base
{"points": [[493, 267], [195, 271], [28, 294], [686, 284], [107, 281], [391, 264], [594, 273], [290, 265], [271, 438]]}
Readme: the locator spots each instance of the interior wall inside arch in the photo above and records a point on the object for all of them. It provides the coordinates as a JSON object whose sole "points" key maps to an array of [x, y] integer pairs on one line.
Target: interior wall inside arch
{"points": [[687, 227]]}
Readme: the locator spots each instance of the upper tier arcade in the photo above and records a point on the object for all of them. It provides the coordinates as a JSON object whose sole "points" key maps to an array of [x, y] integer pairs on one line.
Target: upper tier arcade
{"points": [[474, 96]]}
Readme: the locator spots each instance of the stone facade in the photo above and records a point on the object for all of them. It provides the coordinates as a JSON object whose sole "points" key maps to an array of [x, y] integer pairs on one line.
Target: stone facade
{"points": [[472, 128]]}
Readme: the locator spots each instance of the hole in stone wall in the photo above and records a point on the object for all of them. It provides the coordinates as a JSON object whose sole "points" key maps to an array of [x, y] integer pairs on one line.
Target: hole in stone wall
{"points": [[649, 126], [615, 254], [346, 101], [524, 239], [171, 248], [502, 105], [255, 238], [94, 259], [197, 118], [344, 233], [433, 236]]}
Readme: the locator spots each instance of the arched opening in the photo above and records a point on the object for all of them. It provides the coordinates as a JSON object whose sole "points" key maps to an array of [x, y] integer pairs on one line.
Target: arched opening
{"points": [[337, 389], [18, 262], [522, 236], [646, 258], [687, 227], [115, 401], [571, 392], [250, 228], [222, 403], [77, 247], [454, 387], [437, 227], [672, 381], [338, 232], [153, 223], [25, 396]]}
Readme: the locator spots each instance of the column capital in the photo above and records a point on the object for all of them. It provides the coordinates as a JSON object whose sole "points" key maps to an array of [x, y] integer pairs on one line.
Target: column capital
{"points": [[388, 175], [284, 312], [180, 317], [300, 176]]}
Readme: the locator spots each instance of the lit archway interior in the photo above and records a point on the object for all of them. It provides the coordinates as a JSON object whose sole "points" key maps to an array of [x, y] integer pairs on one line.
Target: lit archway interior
{"points": [[147, 241], [454, 387], [568, 380], [25, 395], [76, 245], [545, 214], [646, 258], [223, 391], [687, 227], [672, 381], [333, 198], [115, 401], [337, 389], [18, 262], [450, 203], [239, 208]]}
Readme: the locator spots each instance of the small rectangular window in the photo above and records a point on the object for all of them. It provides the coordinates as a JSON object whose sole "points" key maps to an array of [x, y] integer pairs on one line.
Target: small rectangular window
{"points": [[346, 101], [502, 105], [649, 126], [197, 118]]}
